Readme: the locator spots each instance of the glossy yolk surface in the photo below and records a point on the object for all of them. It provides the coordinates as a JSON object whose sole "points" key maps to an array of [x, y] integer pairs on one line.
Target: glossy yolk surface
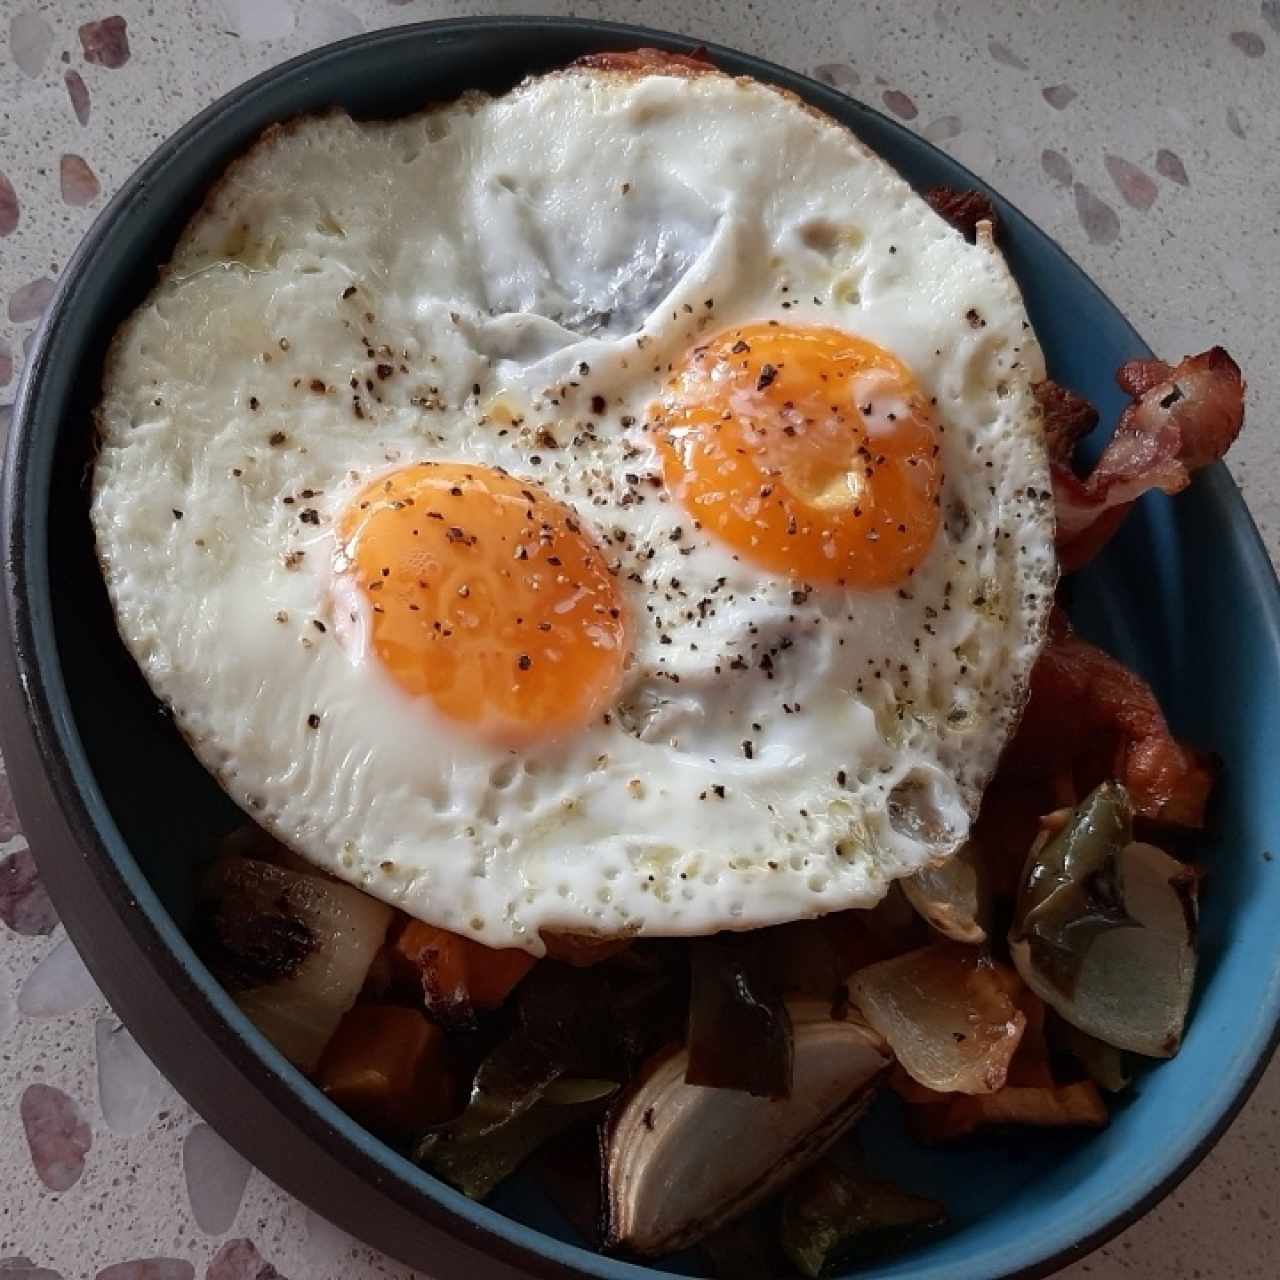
{"points": [[486, 596], [810, 452]]}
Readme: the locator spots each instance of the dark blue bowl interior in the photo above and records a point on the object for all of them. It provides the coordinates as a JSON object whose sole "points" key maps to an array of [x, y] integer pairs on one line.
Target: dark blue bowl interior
{"points": [[1185, 594]]}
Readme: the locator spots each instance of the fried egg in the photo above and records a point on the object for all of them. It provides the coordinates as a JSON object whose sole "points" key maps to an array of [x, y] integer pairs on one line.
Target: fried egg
{"points": [[618, 506]]}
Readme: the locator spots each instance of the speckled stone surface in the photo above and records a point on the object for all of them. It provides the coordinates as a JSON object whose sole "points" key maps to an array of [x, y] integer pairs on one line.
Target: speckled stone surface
{"points": [[1144, 136]]}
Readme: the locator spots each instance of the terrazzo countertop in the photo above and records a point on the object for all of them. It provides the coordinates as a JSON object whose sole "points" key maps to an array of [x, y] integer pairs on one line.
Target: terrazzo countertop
{"points": [[1144, 136]]}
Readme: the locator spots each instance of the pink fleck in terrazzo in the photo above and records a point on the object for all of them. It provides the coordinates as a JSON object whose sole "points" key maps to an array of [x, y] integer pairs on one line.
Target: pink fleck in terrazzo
{"points": [[80, 184], [1169, 165], [240, 1260], [29, 302], [900, 104], [106, 43], [24, 903], [1137, 188], [1100, 221], [1059, 96], [8, 207], [6, 377], [1004, 55], [58, 1135], [78, 92], [1057, 167], [9, 825], [22, 1268], [839, 75], [1250, 43]]}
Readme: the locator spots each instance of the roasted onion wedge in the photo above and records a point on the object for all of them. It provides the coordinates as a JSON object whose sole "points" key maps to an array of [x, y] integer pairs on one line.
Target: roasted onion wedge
{"points": [[953, 897], [293, 950], [1105, 931], [947, 1014], [680, 1160]]}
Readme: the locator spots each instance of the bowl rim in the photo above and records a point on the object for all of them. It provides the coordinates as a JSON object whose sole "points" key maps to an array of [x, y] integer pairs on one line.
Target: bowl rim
{"points": [[109, 908]]}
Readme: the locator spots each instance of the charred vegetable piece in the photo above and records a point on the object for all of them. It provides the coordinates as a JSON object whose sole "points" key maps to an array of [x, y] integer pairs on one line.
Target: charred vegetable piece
{"points": [[953, 897], [946, 1013], [1105, 930], [680, 1160], [386, 1066], [959, 1116], [835, 1211], [739, 1031], [293, 950], [458, 976], [559, 1031], [569, 1024], [477, 1164]]}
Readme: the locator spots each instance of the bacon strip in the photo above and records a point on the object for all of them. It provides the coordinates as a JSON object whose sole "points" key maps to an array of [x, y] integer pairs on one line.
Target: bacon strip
{"points": [[963, 209], [1091, 717], [1068, 418], [1182, 418]]}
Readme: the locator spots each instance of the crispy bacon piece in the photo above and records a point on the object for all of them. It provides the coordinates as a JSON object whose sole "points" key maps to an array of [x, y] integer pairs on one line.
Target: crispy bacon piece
{"points": [[1182, 418], [963, 209], [641, 61], [1068, 418], [1091, 718]]}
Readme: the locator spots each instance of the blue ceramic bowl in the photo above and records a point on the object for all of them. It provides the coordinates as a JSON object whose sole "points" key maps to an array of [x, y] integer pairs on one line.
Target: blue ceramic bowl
{"points": [[119, 812]]}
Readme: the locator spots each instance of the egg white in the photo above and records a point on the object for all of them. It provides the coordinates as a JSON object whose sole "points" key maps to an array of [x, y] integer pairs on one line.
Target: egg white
{"points": [[464, 284]]}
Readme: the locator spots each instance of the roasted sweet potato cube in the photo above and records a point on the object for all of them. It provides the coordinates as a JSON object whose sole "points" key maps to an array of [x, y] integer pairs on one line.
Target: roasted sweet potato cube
{"points": [[1065, 1106], [386, 1065], [459, 977]]}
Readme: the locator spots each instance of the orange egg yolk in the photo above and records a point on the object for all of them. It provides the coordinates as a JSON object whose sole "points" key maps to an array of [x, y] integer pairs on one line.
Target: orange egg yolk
{"points": [[488, 597], [808, 451]]}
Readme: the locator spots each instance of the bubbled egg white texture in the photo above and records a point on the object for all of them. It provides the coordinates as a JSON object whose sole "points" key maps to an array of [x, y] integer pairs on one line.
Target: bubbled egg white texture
{"points": [[510, 282]]}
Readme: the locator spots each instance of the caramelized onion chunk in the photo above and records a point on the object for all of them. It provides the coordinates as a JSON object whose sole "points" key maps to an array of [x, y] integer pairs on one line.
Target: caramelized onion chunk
{"points": [[947, 1014]]}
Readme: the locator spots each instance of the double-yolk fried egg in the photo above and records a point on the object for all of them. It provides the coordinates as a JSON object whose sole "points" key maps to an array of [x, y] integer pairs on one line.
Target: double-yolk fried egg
{"points": [[619, 506]]}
